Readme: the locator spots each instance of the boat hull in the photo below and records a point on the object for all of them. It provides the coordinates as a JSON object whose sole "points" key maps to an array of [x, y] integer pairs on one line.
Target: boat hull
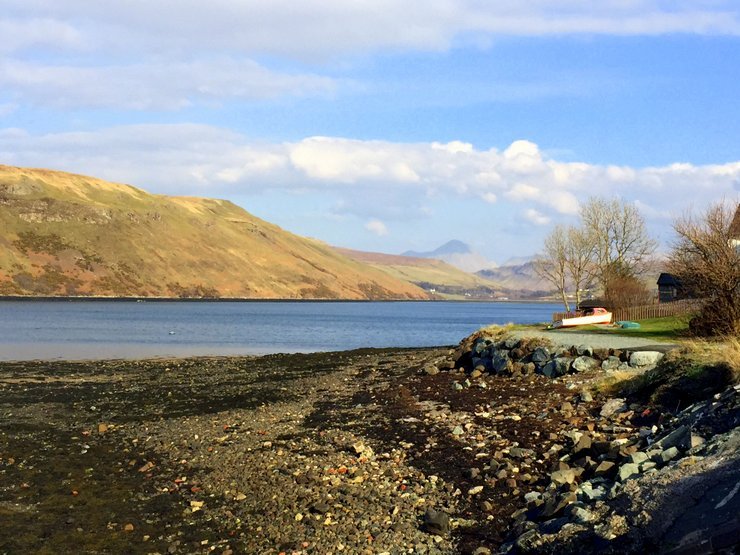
{"points": [[583, 320]]}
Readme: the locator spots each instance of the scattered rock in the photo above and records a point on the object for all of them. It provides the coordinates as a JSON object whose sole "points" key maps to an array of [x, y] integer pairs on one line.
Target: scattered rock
{"points": [[581, 515], [669, 454], [583, 445], [436, 522], [612, 407], [586, 396], [567, 476], [680, 437], [605, 469], [321, 508], [627, 471], [431, 370]]}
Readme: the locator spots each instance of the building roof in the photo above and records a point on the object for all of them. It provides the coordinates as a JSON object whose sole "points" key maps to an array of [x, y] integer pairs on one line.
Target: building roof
{"points": [[668, 279], [735, 225]]}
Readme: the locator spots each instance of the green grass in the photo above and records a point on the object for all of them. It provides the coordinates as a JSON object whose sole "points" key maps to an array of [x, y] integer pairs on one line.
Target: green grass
{"points": [[669, 328]]}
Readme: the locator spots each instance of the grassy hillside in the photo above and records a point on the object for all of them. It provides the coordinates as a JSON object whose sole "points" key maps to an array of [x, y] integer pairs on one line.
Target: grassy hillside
{"points": [[428, 273], [65, 234]]}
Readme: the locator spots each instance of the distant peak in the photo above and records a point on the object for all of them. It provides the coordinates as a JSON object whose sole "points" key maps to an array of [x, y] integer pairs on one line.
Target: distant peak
{"points": [[450, 247], [454, 247]]}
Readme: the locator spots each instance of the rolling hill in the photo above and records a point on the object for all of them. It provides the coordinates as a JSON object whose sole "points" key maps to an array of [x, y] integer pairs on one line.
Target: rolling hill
{"points": [[429, 273], [64, 234]]}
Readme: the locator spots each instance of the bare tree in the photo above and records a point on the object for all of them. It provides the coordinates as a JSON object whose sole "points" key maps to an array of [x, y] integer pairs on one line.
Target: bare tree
{"points": [[551, 265], [621, 241], [621, 291], [707, 261], [579, 259], [612, 246]]}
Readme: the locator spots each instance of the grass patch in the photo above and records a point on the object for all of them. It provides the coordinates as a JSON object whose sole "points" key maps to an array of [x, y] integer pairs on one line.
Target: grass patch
{"points": [[725, 351], [693, 373], [670, 328]]}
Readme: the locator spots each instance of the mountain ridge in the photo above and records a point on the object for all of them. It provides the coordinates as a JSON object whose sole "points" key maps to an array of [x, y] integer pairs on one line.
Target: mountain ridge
{"points": [[453, 246], [432, 274], [66, 234]]}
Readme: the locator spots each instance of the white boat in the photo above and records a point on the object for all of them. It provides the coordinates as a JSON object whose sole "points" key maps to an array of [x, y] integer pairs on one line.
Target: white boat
{"points": [[588, 316]]}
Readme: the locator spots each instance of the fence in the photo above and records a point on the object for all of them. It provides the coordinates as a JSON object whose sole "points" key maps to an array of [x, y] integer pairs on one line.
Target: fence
{"points": [[660, 310]]}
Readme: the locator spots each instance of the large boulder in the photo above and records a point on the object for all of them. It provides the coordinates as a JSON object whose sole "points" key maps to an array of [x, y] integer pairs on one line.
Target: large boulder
{"points": [[512, 343], [481, 345], [484, 363], [680, 437], [501, 363], [611, 363], [540, 356], [585, 363], [640, 359], [556, 367]]}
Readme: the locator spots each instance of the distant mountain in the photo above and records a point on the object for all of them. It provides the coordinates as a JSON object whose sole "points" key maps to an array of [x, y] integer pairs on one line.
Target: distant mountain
{"points": [[518, 261], [430, 273], [520, 277], [457, 254], [450, 247], [65, 234]]}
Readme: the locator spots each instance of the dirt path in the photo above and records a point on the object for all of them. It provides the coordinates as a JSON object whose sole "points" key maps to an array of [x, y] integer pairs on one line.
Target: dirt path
{"points": [[567, 338]]}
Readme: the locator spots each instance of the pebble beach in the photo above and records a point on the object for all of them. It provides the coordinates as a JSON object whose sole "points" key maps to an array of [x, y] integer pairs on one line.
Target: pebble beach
{"points": [[428, 450]]}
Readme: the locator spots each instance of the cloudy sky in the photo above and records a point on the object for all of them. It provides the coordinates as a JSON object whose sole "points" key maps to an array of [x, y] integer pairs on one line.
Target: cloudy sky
{"points": [[385, 125]]}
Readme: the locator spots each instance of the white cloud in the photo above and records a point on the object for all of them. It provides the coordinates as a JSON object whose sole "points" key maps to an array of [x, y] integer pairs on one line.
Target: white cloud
{"points": [[170, 54], [157, 85], [349, 161], [536, 217], [325, 28], [22, 34], [377, 227], [372, 179], [522, 191]]}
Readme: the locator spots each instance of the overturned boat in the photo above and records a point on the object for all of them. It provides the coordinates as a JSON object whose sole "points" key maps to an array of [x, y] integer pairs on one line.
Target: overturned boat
{"points": [[596, 315]]}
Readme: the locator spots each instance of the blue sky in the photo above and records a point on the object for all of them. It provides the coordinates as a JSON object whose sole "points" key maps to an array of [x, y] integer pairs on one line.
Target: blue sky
{"points": [[385, 125]]}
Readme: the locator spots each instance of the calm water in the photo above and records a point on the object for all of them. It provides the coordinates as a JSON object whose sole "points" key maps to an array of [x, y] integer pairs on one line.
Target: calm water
{"points": [[100, 329]]}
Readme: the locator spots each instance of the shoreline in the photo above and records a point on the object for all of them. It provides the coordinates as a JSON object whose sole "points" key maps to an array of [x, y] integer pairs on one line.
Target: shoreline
{"points": [[363, 451], [56, 298]]}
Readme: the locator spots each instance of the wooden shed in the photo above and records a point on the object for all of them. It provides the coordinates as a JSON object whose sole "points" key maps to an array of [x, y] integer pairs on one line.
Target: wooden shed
{"points": [[735, 229], [669, 288]]}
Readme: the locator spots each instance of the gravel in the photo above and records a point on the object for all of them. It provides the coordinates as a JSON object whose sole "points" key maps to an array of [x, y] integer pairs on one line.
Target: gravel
{"points": [[567, 338], [368, 451]]}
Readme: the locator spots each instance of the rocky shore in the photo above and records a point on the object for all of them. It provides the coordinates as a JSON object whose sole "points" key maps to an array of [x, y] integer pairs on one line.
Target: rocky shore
{"points": [[502, 444]]}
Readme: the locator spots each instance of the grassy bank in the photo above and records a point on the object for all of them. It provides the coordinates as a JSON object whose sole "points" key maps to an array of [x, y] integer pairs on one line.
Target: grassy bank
{"points": [[670, 328], [694, 372]]}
